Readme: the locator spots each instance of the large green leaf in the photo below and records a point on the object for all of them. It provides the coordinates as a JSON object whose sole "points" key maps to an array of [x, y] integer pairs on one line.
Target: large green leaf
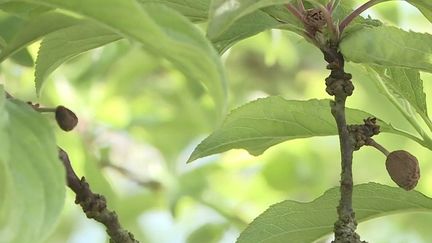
{"points": [[224, 12], [405, 84], [67, 43], [263, 123], [424, 6], [292, 221], [389, 46], [195, 10], [243, 28], [8, 26], [35, 28], [275, 17], [33, 178], [161, 31], [23, 9], [209, 233]]}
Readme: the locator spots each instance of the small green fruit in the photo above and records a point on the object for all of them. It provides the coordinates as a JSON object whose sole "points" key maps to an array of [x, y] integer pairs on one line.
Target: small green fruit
{"points": [[403, 168], [65, 118]]}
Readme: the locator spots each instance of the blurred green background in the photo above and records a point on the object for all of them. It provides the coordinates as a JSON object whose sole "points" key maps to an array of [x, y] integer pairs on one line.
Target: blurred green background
{"points": [[140, 119]]}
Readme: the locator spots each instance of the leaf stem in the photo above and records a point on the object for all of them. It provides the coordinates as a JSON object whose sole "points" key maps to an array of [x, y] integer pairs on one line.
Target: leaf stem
{"points": [[330, 25], [426, 120], [356, 13], [44, 109], [294, 11], [412, 137], [301, 6]]}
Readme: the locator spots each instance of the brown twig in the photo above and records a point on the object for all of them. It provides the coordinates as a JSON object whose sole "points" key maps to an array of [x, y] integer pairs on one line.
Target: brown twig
{"points": [[340, 86], [94, 205]]}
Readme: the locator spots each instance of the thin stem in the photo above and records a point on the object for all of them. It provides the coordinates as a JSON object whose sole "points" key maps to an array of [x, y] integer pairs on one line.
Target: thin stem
{"points": [[426, 120], [412, 137], [44, 109], [8, 96], [239, 222], [149, 184], [356, 13], [330, 6], [301, 6], [371, 142], [294, 11], [330, 25]]}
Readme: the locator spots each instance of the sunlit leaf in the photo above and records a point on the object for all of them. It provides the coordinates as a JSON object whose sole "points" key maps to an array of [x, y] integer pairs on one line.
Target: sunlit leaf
{"points": [[243, 28], [35, 28], [67, 43], [404, 84], [209, 233], [263, 123], [8, 27], [389, 46], [160, 30], [23, 57], [224, 12], [33, 180], [23, 9], [299, 222], [424, 6], [195, 10]]}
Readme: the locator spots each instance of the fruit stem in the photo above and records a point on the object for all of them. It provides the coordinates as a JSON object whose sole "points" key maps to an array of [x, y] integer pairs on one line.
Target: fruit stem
{"points": [[371, 142], [45, 109]]}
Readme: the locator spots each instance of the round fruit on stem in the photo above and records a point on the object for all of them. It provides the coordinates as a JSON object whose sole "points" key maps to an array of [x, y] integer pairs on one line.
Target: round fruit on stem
{"points": [[403, 168], [65, 118]]}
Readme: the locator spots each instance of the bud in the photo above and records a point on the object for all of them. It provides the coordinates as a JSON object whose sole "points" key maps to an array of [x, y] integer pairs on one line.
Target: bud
{"points": [[403, 168], [65, 118]]}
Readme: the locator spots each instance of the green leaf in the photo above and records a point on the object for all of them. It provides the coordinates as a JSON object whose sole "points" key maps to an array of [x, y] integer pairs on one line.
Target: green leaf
{"points": [[424, 6], [33, 178], [406, 84], [23, 9], [67, 43], [209, 233], [224, 12], [389, 46], [194, 10], [263, 123], [299, 222], [273, 17], [243, 28], [34, 29], [160, 30], [23, 57]]}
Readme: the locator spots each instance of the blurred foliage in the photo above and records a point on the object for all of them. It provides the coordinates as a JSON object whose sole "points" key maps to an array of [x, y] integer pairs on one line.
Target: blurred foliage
{"points": [[140, 119]]}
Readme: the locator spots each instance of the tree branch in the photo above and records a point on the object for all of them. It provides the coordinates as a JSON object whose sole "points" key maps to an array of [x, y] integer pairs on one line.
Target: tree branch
{"points": [[94, 205], [339, 84]]}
